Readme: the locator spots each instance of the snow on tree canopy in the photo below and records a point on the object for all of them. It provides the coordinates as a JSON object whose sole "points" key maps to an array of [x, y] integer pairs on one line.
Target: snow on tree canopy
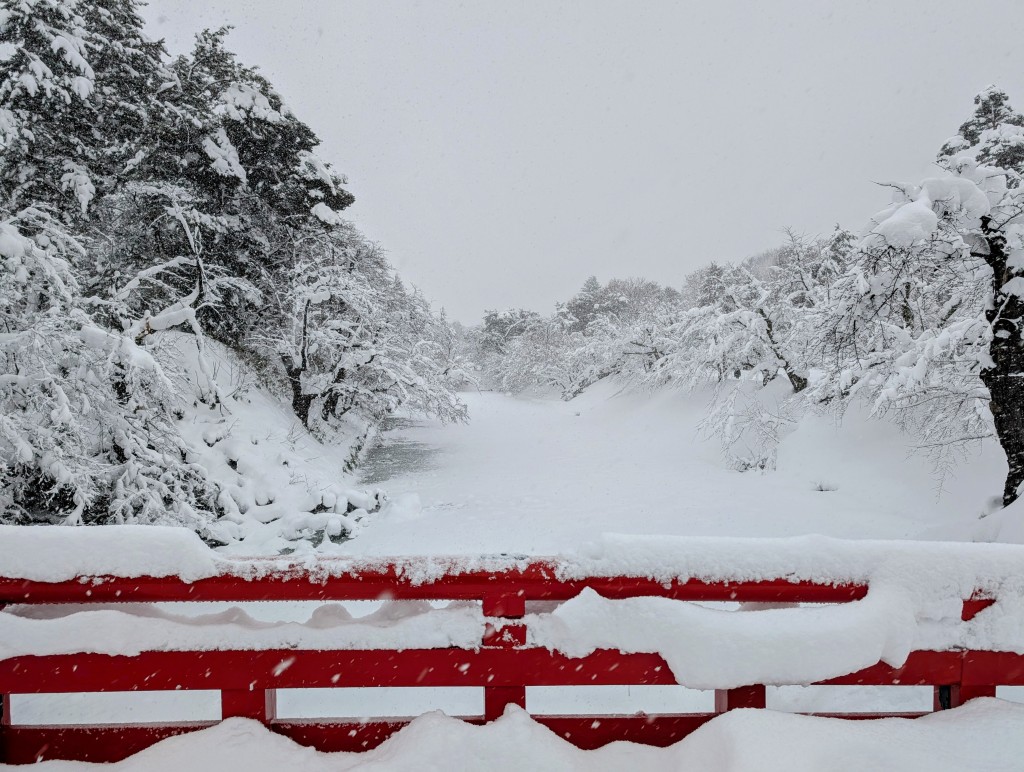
{"points": [[326, 215], [224, 155], [241, 101], [915, 215]]}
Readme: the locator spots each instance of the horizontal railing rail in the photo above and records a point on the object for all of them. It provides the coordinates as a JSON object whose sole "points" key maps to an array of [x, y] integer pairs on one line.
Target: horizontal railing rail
{"points": [[533, 581], [503, 664]]}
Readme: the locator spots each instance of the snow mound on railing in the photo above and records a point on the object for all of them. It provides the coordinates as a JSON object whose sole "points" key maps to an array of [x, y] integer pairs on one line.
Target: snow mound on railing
{"points": [[985, 734], [710, 648], [129, 629], [929, 568], [59, 554]]}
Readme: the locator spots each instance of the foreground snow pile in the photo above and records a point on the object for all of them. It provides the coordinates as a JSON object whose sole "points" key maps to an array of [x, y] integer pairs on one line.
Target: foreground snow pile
{"points": [[985, 734]]}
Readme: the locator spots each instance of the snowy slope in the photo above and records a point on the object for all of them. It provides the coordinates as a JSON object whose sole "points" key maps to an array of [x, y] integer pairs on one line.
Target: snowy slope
{"points": [[539, 475], [279, 484]]}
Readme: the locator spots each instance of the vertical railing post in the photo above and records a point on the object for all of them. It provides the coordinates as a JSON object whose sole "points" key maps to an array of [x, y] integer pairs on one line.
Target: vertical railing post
{"points": [[259, 704], [954, 695], [740, 697], [5, 721], [511, 605]]}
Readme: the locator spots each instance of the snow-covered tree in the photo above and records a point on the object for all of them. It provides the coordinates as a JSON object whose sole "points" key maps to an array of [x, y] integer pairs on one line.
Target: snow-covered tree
{"points": [[704, 286], [602, 331], [454, 352], [750, 336], [46, 116], [926, 322], [359, 346], [143, 195], [583, 307], [756, 321]]}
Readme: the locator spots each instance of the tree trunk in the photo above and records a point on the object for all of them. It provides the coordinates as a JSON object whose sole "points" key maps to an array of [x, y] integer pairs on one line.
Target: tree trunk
{"points": [[300, 402], [797, 381], [1005, 379], [330, 406], [1007, 392]]}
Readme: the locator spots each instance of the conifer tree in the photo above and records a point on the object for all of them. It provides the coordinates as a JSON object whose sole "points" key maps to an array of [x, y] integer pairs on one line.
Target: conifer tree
{"points": [[45, 112]]}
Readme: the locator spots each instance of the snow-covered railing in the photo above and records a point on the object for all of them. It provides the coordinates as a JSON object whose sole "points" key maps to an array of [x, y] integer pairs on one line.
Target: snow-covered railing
{"points": [[883, 613]]}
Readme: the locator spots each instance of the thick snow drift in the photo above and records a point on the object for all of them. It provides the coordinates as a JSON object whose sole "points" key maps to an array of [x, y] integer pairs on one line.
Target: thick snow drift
{"points": [[985, 734], [710, 648]]}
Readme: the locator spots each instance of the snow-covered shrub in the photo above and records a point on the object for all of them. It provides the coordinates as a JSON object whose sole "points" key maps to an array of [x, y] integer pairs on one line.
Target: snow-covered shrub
{"points": [[749, 421], [86, 430]]}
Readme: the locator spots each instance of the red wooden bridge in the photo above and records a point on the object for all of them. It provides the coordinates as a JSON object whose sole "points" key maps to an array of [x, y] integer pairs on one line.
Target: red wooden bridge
{"points": [[503, 665]]}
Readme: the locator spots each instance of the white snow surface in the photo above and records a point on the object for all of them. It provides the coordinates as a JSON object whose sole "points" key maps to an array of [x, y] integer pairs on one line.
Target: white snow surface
{"points": [[951, 570], [541, 476], [914, 215], [984, 734]]}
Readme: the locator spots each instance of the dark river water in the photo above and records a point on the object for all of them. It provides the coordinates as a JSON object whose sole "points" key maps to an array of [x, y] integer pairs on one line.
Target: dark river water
{"points": [[394, 455]]}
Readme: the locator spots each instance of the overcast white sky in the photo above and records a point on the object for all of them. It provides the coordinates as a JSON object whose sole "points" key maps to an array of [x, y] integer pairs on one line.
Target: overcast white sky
{"points": [[501, 152]]}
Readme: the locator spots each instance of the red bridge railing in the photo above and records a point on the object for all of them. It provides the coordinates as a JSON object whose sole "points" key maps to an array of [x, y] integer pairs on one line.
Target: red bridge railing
{"points": [[503, 665]]}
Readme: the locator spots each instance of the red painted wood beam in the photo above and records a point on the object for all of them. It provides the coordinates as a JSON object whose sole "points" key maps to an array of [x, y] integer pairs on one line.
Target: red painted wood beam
{"points": [[993, 668], [333, 736], [974, 606], [589, 732], [922, 668], [740, 697], [29, 744], [497, 667], [258, 704], [536, 581], [295, 669]]}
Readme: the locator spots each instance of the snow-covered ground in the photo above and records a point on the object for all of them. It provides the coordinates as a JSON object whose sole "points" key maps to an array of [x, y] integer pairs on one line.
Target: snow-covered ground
{"points": [[542, 476]]}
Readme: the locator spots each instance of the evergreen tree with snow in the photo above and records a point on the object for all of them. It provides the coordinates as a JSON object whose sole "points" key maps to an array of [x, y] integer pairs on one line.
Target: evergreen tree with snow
{"points": [[990, 153], [46, 116], [583, 307]]}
